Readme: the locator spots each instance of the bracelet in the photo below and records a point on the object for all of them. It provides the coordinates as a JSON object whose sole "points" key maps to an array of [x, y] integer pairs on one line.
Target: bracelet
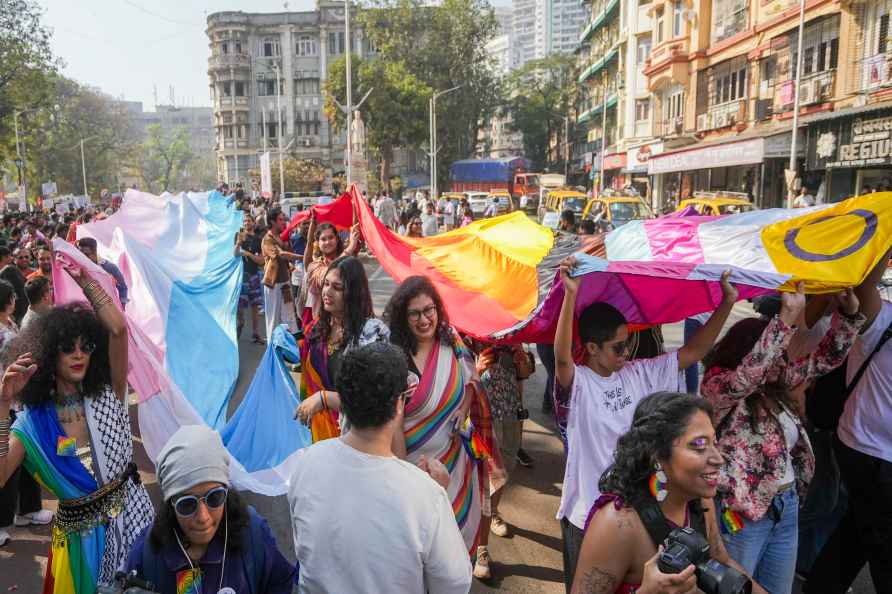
{"points": [[850, 317], [324, 403]]}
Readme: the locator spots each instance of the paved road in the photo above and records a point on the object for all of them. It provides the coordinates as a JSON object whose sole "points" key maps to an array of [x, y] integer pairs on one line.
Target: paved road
{"points": [[528, 561]]}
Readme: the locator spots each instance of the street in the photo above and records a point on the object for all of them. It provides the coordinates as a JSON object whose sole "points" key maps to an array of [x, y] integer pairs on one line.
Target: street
{"points": [[527, 561]]}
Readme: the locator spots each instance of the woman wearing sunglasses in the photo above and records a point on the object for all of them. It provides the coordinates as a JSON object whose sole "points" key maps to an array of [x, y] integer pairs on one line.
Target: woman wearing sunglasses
{"points": [[74, 434], [205, 538]]}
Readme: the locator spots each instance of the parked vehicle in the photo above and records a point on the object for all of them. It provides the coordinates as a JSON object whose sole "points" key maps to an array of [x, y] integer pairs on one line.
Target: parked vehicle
{"points": [[718, 203], [488, 175], [611, 212], [477, 201], [506, 201], [560, 200]]}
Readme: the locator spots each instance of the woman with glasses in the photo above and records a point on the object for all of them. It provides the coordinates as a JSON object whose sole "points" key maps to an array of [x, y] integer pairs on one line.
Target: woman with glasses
{"points": [[74, 435], [415, 228], [346, 320], [205, 537], [447, 417]]}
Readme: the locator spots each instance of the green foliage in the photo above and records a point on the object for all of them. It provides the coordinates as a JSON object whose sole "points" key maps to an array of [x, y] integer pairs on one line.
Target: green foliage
{"points": [[162, 159], [539, 96], [395, 112], [300, 175]]}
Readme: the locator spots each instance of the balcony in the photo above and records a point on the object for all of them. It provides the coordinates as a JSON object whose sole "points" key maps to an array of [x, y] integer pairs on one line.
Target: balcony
{"points": [[600, 13], [232, 102], [722, 116], [594, 106], [599, 64], [814, 88], [231, 143], [227, 61], [669, 127]]}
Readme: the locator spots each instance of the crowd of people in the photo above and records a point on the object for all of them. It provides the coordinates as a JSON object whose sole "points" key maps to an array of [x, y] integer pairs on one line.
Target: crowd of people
{"points": [[779, 458]]}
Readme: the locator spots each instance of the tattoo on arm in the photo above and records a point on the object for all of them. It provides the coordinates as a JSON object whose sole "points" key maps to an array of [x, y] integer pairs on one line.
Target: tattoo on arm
{"points": [[596, 581]]}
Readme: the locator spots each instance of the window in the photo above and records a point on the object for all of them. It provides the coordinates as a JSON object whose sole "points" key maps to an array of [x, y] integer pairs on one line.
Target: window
{"points": [[238, 47], [306, 46], [643, 50], [227, 89], [266, 88], [673, 102], [820, 48], [306, 86], [642, 110], [224, 48], [677, 8], [239, 89], [722, 83], [882, 33], [729, 17], [269, 47], [272, 130], [336, 43], [659, 26]]}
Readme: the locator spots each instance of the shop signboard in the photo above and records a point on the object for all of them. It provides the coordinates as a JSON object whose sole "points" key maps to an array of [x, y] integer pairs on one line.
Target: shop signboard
{"points": [[744, 152], [851, 142], [615, 161], [637, 158]]}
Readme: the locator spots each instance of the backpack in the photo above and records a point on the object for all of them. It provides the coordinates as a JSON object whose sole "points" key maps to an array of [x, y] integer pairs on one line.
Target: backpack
{"points": [[154, 570], [826, 400]]}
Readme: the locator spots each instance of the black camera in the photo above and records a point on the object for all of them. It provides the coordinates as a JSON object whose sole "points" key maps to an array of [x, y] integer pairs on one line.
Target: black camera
{"points": [[685, 547], [127, 583]]}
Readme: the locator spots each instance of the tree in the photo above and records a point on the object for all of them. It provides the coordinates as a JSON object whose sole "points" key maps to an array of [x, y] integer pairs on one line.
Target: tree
{"points": [[51, 139], [539, 96], [395, 112], [300, 175], [162, 159], [443, 46]]}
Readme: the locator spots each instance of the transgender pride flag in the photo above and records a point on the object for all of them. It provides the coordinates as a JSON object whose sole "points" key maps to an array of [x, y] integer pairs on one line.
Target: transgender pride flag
{"points": [[177, 255]]}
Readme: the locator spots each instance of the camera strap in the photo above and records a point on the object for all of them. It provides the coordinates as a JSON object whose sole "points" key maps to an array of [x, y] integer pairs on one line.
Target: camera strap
{"points": [[659, 527]]}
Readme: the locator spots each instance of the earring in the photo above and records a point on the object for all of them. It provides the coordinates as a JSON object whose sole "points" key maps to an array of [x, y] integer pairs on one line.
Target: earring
{"points": [[658, 484]]}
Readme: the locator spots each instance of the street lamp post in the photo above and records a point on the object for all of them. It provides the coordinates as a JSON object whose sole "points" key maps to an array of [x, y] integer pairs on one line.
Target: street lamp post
{"points": [[795, 132], [279, 120], [83, 160], [433, 137], [349, 153]]}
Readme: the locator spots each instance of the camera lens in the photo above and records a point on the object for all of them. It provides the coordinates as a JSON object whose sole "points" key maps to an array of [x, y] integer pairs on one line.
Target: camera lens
{"points": [[715, 578]]}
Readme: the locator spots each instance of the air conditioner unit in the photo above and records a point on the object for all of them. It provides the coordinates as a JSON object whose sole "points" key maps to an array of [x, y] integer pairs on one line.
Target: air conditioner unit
{"points": [[807, 93], [702, 122], [307, 142], [677, 125], [822, 87], [720, 120]]}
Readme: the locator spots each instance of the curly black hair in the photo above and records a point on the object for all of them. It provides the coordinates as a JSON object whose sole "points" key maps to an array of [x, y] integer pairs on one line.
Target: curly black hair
{"points": [[372, 377], [729, 353], [357, 301], [659, 420], [396, 314], [7, 294], [329, 227], [60, 328], [162, 532]]}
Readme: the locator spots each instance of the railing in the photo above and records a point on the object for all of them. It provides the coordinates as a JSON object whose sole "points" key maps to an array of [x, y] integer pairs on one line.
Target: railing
{"points": [[722, 115], [593, 107], [229, 61], [813, 88], [600, 12], [598, 65], [226, 102], [669, 126], [665, 50], [229, 143]]}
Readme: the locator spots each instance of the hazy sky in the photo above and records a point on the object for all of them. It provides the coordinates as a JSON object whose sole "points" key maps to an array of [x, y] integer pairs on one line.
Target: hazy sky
{"points": [[125, 47]]}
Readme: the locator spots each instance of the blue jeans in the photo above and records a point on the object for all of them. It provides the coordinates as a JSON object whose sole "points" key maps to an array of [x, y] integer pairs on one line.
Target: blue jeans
{"points": [[692, 373], [767, 548]]}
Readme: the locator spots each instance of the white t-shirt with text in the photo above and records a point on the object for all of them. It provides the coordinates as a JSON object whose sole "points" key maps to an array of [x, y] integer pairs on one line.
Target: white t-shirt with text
{"points": [[365, 523], [601, 410], [866, 421]]}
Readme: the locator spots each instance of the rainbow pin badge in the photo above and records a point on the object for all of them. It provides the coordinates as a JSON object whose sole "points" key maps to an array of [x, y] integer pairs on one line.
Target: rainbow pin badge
{"points": [[189, 581], [732, 521], [66, 446]]}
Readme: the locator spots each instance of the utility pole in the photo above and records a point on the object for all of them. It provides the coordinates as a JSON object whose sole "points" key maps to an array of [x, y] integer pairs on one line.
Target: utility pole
{"points": [[603, 137], [433, 137], [84, 169], [279, 120], [349, 153], [795, 132]]}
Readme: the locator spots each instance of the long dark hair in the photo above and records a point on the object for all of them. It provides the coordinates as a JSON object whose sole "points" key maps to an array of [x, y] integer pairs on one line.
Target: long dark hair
{"points": [[327, 226], [357, 300], [165, 524], [396, 315], [659, 420], [62, 326], [729, 353]]}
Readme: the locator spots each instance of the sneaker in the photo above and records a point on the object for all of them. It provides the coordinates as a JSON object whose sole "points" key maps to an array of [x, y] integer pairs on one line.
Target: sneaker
{"points": [[498, 526], [481, 567], [4, 537], [524, 459], [39, 518]]}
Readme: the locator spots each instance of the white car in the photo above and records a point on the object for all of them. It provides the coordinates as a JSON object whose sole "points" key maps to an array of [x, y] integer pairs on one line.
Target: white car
{"points": [[478, 202]]}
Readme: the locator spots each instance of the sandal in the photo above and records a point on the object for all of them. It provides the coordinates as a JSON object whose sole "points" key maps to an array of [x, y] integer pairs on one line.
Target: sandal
{"points": [[258, 340]]}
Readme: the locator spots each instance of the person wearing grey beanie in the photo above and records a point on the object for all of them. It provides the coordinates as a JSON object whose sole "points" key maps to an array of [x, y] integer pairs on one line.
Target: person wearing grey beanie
{"points": [[205, 533]]}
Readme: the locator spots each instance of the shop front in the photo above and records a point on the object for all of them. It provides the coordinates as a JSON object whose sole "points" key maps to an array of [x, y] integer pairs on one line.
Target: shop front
{"points": [[851, 152], [636, 169], [732, 166], [613, 166]]}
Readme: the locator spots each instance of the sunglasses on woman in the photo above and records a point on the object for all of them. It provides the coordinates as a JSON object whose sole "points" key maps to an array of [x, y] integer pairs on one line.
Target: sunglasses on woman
{"points": [[87, 347], [187, 505]]}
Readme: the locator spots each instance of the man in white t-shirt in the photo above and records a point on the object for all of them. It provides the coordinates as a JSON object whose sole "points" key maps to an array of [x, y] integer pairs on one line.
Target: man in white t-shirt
{"points": [[603, 393], [364, 520], [863, 450]]}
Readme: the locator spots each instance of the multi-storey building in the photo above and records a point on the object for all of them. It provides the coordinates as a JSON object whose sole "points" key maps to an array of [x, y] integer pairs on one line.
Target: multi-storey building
{"points": [[543, 27], [495, 139], [261, 63]]}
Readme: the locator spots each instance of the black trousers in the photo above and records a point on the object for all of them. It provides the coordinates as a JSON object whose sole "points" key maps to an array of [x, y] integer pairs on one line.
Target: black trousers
{"points": [[572, 537], [21, 492], [865, 533]]}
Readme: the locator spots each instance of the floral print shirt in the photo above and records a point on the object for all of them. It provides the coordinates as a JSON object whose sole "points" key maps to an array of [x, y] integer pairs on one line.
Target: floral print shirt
{"points": [[755, 450], [501, 386]]}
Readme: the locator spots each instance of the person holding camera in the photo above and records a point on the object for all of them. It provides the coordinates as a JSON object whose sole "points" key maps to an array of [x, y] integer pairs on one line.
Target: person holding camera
{"points": [[769, 461], [653, 530], [205, 538]]}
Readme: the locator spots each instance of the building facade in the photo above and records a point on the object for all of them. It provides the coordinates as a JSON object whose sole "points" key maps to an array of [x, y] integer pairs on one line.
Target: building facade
{"points": [[266, 74], [543, 27], [699, 97]]}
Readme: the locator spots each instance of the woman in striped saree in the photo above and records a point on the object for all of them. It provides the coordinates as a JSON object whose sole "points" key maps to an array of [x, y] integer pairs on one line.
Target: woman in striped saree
{"points": [[447, 417]]}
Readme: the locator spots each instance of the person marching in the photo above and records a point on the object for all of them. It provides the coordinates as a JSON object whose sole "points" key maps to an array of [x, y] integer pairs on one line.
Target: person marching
{"points": [[277, 296]]}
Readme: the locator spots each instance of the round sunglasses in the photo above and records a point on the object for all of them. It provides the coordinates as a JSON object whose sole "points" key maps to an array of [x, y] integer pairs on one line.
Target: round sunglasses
{"points": [[87, 347], [187, 505]]}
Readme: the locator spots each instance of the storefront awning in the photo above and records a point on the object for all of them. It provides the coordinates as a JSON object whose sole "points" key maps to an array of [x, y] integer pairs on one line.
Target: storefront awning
{"points": [[849, 111], [740, 152]]}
